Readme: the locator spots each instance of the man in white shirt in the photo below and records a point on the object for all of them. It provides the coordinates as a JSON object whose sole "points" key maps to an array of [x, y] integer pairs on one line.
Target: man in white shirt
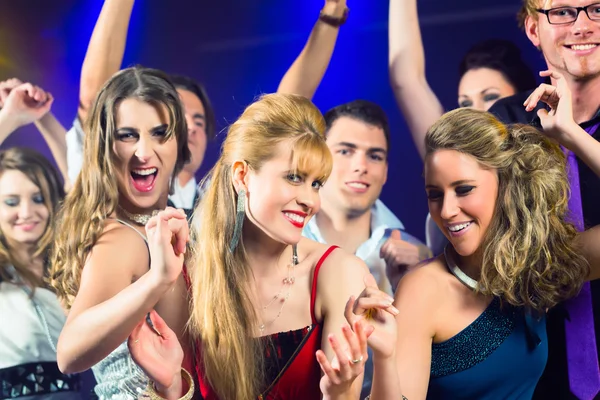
{"points": [[351, 215]]}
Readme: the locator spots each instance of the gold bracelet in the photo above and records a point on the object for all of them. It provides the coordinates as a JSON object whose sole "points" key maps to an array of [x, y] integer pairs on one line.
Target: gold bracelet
{"points": [[151, 393]]}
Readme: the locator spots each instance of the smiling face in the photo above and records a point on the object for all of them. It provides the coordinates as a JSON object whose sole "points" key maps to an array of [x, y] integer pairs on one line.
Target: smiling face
{"points": [[23, 212], [196, 123], [359, 165], [480, 88], [280, 201], [462, 198], [571, 49], [144, 157]]}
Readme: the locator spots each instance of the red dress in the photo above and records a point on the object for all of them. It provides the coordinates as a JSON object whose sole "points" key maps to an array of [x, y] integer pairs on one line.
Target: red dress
{"points": [[295, 350]]}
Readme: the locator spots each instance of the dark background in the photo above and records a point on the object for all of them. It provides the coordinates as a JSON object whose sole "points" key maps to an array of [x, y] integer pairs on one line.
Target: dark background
{"points": [[241, 48]]}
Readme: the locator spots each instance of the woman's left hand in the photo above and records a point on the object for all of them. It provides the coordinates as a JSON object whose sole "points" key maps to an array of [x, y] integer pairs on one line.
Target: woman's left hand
{"points": [[348, 362]]}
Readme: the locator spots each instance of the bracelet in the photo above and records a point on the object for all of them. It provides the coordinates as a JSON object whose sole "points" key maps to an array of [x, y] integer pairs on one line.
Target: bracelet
{"points": [[152, 394], [334, 21]]}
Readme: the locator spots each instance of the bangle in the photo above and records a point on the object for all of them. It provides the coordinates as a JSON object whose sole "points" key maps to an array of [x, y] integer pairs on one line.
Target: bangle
{"points": [[334, 21], [152, 394]]}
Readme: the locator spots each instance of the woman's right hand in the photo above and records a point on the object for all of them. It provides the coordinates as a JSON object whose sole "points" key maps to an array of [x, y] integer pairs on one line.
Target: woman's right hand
{"points": [[375, 308], [168, 235], [156, 349]]}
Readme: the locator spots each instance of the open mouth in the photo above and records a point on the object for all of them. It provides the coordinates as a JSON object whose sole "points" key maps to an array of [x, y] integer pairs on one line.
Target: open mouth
{"points": [[143, 179], [296, 219], [582, 47], [459, 228], [358, 186]]}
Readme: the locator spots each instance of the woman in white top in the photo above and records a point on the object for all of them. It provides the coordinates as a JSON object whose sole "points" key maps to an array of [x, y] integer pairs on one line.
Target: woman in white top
{"points": [[30, 192]]}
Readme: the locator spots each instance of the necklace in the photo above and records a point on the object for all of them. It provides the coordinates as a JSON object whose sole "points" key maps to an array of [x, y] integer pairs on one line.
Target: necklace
{"points": [[457, 272], [287, 282], [140, 219]]}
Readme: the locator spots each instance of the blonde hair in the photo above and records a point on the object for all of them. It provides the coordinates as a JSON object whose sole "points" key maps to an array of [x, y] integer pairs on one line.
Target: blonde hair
{"points": [[222, 314], [528, 9], [94, 195], [39, 171], [529, 258]]}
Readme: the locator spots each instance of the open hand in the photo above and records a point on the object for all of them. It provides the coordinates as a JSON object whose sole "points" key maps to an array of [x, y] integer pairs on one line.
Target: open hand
{"points": [[347, 364], [159, 356]]}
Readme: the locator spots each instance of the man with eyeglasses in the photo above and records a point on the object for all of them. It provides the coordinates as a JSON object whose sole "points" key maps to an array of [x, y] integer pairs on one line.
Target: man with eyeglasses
{"points": [[568, 34]]}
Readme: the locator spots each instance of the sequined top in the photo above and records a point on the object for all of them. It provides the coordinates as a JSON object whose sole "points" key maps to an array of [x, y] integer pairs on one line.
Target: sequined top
{"points": [[118, 376], [501, 355]]}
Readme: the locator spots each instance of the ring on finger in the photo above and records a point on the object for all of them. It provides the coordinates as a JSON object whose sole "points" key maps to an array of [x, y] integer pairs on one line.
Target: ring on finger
{"points": [[357, 360]]}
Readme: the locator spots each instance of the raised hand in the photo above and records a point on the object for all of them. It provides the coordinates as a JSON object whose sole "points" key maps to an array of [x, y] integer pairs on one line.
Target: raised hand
{"points": [[348, 362], [168, 234], [26, 103], [335, 8], [6, 87], [559, 119], [375, 308], [155, 348]]}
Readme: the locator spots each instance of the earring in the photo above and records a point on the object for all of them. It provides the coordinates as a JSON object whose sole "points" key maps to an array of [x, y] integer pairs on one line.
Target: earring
{"points": [[240, 213]]}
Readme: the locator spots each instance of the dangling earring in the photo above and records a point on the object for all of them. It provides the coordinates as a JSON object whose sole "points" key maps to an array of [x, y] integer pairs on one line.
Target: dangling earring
{"points": [[240, 213]]}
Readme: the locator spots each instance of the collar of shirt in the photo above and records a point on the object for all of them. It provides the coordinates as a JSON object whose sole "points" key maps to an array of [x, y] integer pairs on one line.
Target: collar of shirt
{"points": [[382, 218], [184, 197], [383, 221]]}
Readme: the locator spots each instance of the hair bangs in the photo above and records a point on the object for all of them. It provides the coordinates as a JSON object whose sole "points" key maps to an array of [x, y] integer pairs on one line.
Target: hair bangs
{"points": [[311, 157]]}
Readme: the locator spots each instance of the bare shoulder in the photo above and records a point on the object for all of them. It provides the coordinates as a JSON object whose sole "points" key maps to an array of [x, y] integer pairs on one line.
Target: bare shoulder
{"points": [[427, 281], [118, 258], [119, 249], [337, 264]]}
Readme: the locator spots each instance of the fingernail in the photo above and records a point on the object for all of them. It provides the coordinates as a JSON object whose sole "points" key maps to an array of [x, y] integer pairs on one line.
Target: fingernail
{"points": [[394, 310]]}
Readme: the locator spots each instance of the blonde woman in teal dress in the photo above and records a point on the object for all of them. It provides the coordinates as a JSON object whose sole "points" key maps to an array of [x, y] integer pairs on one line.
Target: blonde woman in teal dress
{"points": [[471, 322]]}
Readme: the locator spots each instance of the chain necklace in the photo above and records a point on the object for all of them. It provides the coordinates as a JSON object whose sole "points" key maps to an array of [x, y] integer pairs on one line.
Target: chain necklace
{"points": [[287, 282]]}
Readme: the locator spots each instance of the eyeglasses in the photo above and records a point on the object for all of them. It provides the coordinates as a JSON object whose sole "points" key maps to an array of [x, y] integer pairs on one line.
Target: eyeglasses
{"points": [[567, 15]]}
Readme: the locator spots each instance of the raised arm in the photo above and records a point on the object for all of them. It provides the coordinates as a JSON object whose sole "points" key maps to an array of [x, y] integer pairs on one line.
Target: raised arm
{"points": [[105, 51], [307, 71], [54, 133], [419, 105], [559, 125], [33, 102]]}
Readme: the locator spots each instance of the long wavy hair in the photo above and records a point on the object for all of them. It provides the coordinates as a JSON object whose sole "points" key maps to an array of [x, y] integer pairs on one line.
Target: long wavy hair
{"points": [[529, 255], [94, 195], [41, 172], [222, 316]]}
